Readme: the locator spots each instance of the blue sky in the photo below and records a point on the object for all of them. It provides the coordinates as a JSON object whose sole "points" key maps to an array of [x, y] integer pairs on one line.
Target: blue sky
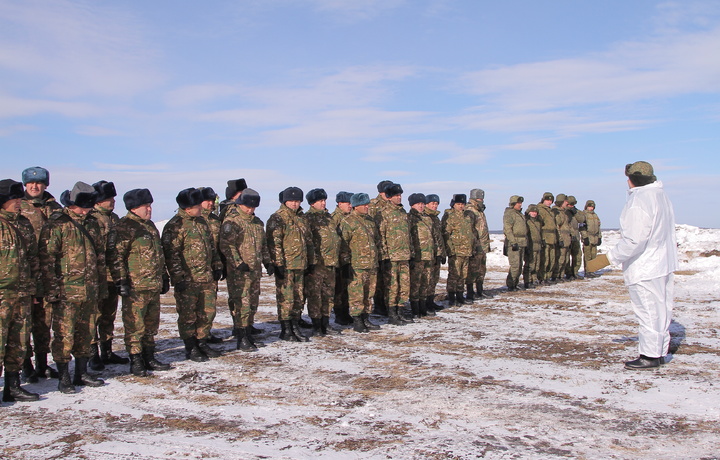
{"points": [[514, 97]]}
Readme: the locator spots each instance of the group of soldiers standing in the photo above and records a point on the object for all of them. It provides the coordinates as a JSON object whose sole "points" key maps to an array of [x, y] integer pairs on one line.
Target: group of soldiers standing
{"points": [[63, 268]]}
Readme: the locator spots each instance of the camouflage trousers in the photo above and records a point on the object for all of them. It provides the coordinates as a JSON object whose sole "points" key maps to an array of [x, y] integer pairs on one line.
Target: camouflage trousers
{"points": [[477, 268], [589, 253], [320, 291], [420, 274], [289, 293], [107, 311], [360, 288], [457, 273], [434, 279], [575, 256], [244, 295], [562, 257], [72, 324], [547, 262], [14, 325], [141, 319], [397, 283], [196, 310], [532, 266], [515, 259], [40, 321]]}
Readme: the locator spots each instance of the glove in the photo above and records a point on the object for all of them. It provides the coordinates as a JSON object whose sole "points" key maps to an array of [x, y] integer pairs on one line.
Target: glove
{"points": [[601, 261], [310, 268], [243, 267], [123, 288], [444, 260], [346, 271], [270, 269], [218, 274], [165, 286], [386, 264], [280, 272], [561, 244], [599, 241], [438, 260], [181, 286], [515, 247], [586, 241]]}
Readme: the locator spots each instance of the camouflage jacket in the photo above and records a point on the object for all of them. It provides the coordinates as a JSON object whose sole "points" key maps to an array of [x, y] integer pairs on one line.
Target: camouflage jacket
{"points": [[549, 228], [362, 241], [326, 237], [591, 229], [563, 226], [534, 227], [72, 264], [107, 221], [377, 204], [478, 209], [19, 264], [514, 227], [214, 223], [460, 233], [38, 210], [289, 239], [437, 232], [225, 206], [394, 228], [422, 238], [136, 254], [572, 214], [242, 239], [190, 254]]}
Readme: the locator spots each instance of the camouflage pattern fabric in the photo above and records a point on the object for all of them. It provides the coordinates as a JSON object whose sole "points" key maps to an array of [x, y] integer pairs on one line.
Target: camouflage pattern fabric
{"points": [[14, 315], [360, 288], [562, 255], [38, 210], [550, 238], [478, 263], [107, 306], [424, 245], [361, 249], [320, 291], [440, 248], [575, 251], [516, 240], [72, 325], [196, 310], [141, 319], [590, 232], [289, 292], [189, 251], [320, 283], [341, 282], [457, 273], [459, 233], [534, 248], [420, 275]]}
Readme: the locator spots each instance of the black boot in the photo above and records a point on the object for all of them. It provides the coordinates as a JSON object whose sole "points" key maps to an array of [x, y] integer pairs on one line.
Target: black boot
{"points": [[480, 292], [286, 332], [295, 328], [470, 294], [214, 339], [151, 363], [13, 391], [108, 356], [359, 325], [137, 366], [317, 327], [415, 308], [254, 330], [28, 371], [326, 328], [95, 362], [451, 299], [82, 377], [243, 342], [249, 334], [64, 382], [459, 298], [425, 308], [303, 324], [342, 317], [394, 317], [192, 352], [380, 307], [206, 350], [42, 368], [431, 303], [366, 320]]}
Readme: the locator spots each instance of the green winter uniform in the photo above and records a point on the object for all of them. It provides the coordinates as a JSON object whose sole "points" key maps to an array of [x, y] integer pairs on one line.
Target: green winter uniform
{"points": [[515, 231], [394, 230], [564, 241], [361, 249], [439, 250], [591, 234], [461, 243], [550, 238], [107, 306], [341, 281], [320, 282], [424, 245], [575, 251], [478, 263], [534, 249]]}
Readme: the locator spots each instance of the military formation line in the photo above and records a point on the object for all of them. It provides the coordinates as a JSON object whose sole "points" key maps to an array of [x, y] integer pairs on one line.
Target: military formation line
{"points": [[66, 265]]}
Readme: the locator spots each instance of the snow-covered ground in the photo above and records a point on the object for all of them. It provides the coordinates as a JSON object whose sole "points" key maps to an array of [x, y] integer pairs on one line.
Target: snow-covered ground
{"points": [[533, 374]]}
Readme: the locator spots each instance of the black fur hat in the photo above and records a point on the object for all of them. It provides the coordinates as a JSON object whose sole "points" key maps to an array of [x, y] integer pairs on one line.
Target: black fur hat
{"points": [[10, 190], [189, 197], [343, 197], [382, 184], [249, 198], [291, 194], [82, 195], [416, 198], [234, 186], [137, 197], [208, 193], [459, 198], [105, 190], [392, 190], [316, 195]]}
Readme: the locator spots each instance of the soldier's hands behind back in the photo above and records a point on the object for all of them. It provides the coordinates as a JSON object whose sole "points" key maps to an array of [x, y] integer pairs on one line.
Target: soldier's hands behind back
{"points": [[181, 286], [243, 267], [165, 286], [515, 247]]}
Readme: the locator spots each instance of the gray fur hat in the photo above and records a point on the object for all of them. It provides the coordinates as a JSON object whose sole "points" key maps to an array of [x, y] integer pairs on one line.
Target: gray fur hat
{"points": [[36, 174], [359, 199], [432, 198], [416, 198], [82, 195], [477, 194], [343, 197]]}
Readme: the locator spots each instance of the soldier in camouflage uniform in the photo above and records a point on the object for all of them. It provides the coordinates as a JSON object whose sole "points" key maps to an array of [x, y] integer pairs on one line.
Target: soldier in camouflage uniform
{"points": [[194, 267], [244, 246], [564, 236], [478, 263], [342, 305], [550, 238], [423, 243], [320, 282], [590, 233], [359, 258], [432, 201], [139, 275], [515, 231], [534, 248], [37, 205], [292, 253], [210, 198], [107, 306], [72, 258], [377, 204], [461, 241], [575, 252], [233, 191], [396, 253], [18, 278]]}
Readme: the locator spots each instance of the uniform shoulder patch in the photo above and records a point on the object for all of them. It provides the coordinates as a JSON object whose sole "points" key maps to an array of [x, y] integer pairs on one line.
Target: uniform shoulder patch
{"points": [[227, 227]]}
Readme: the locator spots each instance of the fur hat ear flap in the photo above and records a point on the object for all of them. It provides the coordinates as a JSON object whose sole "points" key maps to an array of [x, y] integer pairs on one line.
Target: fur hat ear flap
{"points": [[249, 198], [189, 197], [136, 198], [105, 190]]}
